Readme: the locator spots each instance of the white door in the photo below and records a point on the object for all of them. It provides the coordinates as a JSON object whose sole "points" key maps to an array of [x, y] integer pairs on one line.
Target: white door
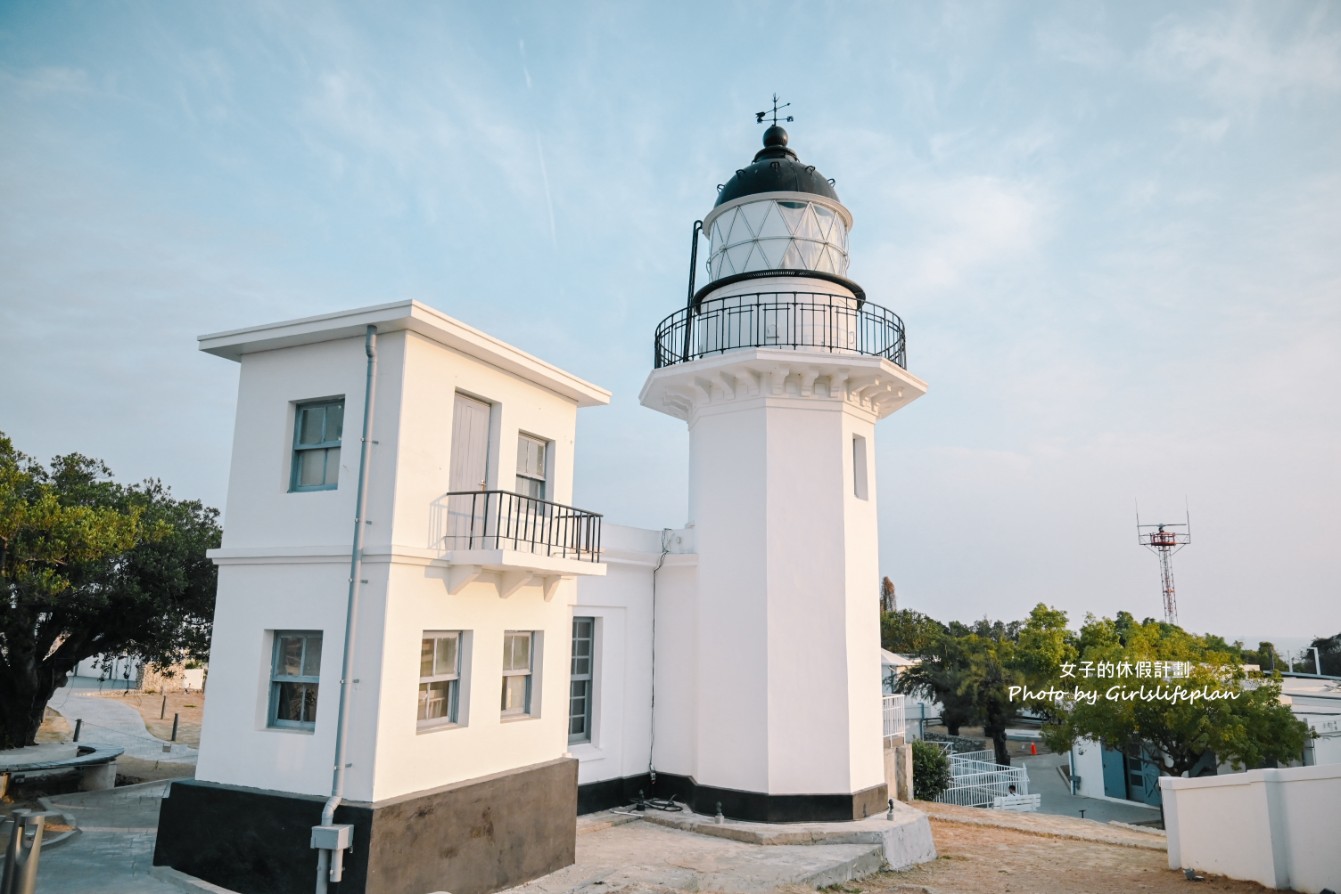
{"points": [[470, 470]]}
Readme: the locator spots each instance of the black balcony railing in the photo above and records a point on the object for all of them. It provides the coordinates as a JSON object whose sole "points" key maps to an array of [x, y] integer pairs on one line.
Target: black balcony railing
{"points": [[798, 321], [500, 519]]}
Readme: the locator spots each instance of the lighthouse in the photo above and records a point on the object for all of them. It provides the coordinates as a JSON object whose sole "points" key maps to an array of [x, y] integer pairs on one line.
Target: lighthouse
{"points": [[781, 366]]}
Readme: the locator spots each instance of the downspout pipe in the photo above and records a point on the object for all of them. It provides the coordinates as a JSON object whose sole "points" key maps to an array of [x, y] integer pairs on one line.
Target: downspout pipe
{"points": [[329, 859], [689, 300]]}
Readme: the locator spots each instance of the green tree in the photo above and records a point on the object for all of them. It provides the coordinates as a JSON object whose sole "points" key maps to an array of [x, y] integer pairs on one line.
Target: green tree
{"points": [[1237, 718], [986, 681], [908, 632], [941, 673], [89, 567], [888, 601], [931, 771]]}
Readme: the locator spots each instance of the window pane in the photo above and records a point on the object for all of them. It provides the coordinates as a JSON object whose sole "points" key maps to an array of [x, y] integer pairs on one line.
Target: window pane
{"points": [[425, 659], [435, 700], [530, 456], [332, 472], [312, 656], [530, 487], [514, 695], [446, 658], [310, 424], [297, 702], [335, 418], [517, 652], [290, 659], [311, 468]]}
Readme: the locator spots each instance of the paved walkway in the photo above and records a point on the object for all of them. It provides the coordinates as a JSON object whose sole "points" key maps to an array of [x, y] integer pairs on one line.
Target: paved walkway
{"points": [[114, 848], [108, 722], [1045, 779]]}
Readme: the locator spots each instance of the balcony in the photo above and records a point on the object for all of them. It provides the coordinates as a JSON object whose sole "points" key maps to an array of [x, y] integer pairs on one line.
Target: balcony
{"points": [[522, 538], [798, 321]]}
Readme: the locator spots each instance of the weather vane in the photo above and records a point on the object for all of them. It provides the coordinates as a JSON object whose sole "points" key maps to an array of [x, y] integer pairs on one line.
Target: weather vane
{"points": [[759, 116]]}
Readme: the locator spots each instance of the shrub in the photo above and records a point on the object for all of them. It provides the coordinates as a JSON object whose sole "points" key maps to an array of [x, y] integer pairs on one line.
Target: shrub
{"points": [[931, 771]]}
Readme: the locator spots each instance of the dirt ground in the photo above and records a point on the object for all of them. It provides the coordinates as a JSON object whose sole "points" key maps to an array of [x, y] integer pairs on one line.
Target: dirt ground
{"points": [[189, 706], [975, 859]]}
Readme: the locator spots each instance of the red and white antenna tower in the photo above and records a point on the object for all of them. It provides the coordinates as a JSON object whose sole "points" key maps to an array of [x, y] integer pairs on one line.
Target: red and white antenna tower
{"points": [[1164, 540]]}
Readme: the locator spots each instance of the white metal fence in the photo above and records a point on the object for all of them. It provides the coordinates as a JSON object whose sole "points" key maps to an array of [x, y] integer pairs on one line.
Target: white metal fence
{"points": [[894, 717], [975, 779]]}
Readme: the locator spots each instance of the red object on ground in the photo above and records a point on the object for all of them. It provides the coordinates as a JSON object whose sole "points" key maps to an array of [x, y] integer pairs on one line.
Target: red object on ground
{"points": [[1033, 748]]}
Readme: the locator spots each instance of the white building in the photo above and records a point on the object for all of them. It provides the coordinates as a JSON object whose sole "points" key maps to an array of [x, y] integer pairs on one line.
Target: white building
{"points": [[507, 662]]}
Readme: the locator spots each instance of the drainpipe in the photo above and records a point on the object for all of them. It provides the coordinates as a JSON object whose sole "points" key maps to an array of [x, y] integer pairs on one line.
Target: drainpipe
{"points": [[331, 840], [689, 300]]}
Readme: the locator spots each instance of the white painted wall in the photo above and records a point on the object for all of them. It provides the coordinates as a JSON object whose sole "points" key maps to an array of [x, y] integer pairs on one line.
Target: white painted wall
{"points": [[621, 601], [1274, 827], [236, 745], [407, 759], [284, 563], [785, 625], [1087, 763], [261, 511]]}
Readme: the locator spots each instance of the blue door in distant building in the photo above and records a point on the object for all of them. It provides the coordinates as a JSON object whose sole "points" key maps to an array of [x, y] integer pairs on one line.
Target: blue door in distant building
{"points": [[1143, 780], [1115, 773], [1132, 777]]}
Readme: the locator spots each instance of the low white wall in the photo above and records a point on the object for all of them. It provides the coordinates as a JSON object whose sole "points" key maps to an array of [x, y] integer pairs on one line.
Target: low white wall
{"points": [[1274, 827]]}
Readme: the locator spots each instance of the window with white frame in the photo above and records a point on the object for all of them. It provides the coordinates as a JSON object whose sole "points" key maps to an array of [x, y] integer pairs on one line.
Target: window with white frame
{"points": [[580, 687], [295, 673], [531, 456], [439, 678], [316, 444], [518, 675]]}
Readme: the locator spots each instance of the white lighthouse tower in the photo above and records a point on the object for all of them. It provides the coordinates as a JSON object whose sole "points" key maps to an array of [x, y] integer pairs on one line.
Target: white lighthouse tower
{"points": [[781, 367]]}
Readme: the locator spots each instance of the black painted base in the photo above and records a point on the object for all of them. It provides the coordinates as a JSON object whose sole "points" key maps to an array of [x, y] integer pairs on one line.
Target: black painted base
{"points": [[473, 837], [750, 806]]}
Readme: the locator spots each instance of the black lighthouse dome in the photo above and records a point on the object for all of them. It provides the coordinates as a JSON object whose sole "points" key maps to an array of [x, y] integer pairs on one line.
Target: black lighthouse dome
{"points": [[776, 169], [777, 215]]}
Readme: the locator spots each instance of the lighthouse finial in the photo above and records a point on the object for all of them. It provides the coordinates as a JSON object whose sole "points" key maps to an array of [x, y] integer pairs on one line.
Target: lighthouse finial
{"points": [[759, 116]]}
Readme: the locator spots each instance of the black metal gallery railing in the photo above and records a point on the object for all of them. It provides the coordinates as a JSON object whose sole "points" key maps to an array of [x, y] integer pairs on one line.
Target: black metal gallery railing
{"points": [[500, 519], [798, 321]]}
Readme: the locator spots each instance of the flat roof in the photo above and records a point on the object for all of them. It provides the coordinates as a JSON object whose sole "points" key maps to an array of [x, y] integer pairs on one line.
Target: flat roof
{"points": [[411, 316]]}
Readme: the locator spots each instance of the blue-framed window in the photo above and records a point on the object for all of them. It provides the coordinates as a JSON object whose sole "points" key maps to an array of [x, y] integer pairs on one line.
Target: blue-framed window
{"points": [[439, 678], [295, 674], [517, 672], [316, 444], [579, 688]]}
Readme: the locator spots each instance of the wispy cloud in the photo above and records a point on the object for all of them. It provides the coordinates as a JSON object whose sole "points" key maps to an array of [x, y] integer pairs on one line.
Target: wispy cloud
{"points": [[1243, 56], [969, 223]]}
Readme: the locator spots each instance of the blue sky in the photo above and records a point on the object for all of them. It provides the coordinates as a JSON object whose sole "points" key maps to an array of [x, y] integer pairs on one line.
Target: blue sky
{"points": [[1111, 229]]}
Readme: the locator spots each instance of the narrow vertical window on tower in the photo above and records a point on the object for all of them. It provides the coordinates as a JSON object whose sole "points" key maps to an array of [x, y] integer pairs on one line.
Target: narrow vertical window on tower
{"points": [[531, 458], [859, 487], [580, 689], [316, 444]]}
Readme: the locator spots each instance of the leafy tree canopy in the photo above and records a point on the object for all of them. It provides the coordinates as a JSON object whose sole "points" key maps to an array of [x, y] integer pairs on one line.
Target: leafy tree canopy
{"points": [[1207, 705], [88, 567], [989, 671]]}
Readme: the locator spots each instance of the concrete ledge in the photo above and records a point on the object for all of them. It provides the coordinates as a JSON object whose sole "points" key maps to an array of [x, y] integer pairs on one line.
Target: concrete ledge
{"points": [[184, 882], [903, 841], [96, 764]]}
